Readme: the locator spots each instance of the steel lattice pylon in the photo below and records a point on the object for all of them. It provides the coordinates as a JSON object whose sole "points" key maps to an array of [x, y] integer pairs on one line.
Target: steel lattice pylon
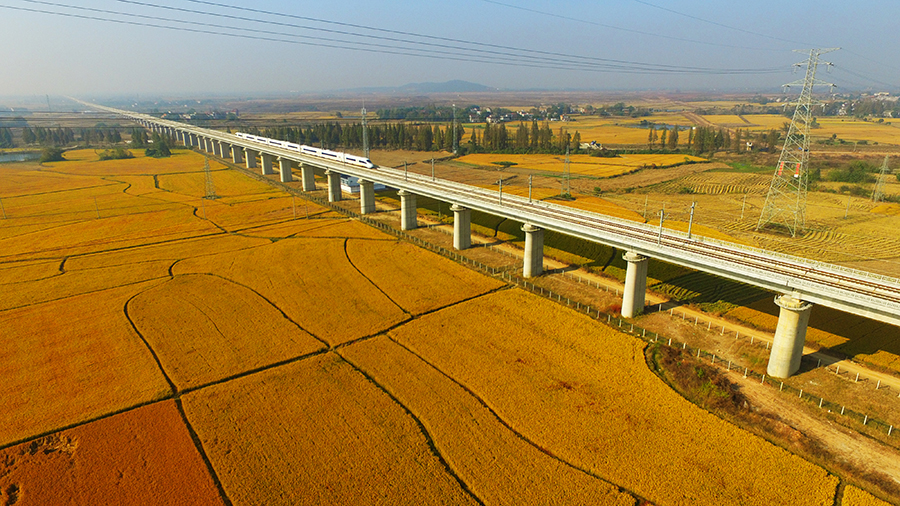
{"points": [[210, 189], [878, 194], [365, 132], [786, 201]]}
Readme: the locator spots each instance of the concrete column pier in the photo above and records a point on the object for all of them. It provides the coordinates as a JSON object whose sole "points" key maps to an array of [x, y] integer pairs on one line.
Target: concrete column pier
{"points": [[267, 160], [284, 165], [205, 145], [462, 227], [237, 154], [308, 177], [790, 335], [220, 148], [534, 251], [635, 284], [366, 196], [407, 210], [334, 186], [250, 157]]}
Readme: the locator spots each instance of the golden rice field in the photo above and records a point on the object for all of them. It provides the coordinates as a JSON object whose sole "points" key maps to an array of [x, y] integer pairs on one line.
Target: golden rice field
{"points": [[854, 496], [272, 356], [521, 354], [580, 164], [852, 129]]}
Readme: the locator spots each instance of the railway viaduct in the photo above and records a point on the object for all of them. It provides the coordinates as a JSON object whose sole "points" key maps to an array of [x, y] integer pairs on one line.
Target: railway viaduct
{"points": [[802, 283]]}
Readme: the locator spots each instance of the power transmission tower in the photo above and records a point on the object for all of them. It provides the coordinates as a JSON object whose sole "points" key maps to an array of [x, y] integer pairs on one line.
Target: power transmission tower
{"points": [[365, 133], [878, 194], [786, 201], [210, 189]]}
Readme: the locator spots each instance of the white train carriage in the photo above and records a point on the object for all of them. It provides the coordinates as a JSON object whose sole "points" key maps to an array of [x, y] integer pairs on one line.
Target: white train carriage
{"points": [[334, 156]]}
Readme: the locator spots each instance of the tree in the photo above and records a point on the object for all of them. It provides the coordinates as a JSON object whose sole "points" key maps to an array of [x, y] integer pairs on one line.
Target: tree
{"points": [[651, 136], [662, 137], [673, 139], [52, 155], [28, 136], [158, 148]]}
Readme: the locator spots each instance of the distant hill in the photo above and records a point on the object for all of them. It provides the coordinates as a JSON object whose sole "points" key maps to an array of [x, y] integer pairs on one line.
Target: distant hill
{"points": [[454, 86]]}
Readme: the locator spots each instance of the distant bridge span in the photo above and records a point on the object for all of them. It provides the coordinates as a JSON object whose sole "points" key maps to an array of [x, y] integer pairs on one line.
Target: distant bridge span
{"points": [[803, 282]]}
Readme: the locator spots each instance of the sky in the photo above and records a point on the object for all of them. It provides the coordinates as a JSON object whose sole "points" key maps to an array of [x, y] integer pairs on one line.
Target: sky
{"points": [[221, 47]]}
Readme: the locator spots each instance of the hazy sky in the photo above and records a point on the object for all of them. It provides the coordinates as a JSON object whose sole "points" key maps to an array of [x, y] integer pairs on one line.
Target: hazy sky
{"points": [[505, 44]]}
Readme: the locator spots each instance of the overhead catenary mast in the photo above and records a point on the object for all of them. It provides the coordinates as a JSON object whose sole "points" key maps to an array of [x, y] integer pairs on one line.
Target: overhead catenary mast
{"points": [[785, 204]]}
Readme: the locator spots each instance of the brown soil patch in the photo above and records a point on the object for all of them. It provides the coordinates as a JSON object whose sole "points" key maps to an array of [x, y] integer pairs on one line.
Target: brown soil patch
{"points": [[139, 457]]}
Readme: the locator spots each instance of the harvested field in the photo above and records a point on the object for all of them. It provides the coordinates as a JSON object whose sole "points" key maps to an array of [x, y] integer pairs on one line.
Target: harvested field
{"points": [[417, 280], [204, 328], [317, 432], [54, 372], [580, 164], [127, 458], [313, 282], [591, 374], [86, 162], [498, 464]]}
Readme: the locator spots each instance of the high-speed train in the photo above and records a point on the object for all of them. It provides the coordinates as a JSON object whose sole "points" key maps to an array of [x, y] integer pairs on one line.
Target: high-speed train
{"points": [[335, 156]]}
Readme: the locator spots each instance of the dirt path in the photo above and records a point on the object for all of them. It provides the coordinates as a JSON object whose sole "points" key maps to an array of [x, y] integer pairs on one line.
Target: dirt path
{"points": [[845, 444]]}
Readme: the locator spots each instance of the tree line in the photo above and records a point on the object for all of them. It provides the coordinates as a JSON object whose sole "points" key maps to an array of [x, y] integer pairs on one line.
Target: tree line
{"points": [[708, 139]]}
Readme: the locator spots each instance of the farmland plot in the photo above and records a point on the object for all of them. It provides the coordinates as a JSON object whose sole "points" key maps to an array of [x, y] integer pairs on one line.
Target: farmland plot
{"points": [[417, 280], [317, 432], [610, 414], [313, 282], [497, 464], [204, 328], [124, 459], [72, 360]]}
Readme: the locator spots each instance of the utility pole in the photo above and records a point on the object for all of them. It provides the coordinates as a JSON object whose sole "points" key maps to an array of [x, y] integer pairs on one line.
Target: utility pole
{"points": [[501, 191], [786, 201], [646, 201], [365, 132], [743, 205], [432, 168], [878, 193], [691, 221], [455, 136], [529, 187], [566, 174]]}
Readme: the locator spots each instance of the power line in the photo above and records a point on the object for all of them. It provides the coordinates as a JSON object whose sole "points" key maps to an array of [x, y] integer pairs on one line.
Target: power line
{"points": [[514, 60], [629, 30], [722, 25]]}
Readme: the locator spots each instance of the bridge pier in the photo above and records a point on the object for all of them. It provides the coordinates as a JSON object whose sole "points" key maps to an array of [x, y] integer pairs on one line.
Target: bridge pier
{"points": [[220, 148], [790, 335], [534, 251], [462, 227], [308, 177], [251, 155], [267, 160], [635, 291], [284, 166], [205, 145], [366, 196], [237, 154], [408, 213], [334, 186]]}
